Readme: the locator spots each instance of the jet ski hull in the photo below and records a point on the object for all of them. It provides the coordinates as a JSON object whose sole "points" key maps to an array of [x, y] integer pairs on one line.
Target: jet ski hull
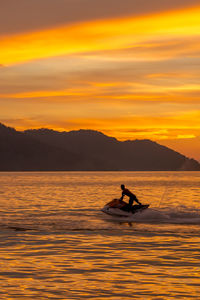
{"points": [[115, 211]]}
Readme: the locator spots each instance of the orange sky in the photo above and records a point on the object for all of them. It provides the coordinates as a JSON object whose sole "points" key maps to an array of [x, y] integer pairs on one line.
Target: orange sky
{"points": [[130, 74]]}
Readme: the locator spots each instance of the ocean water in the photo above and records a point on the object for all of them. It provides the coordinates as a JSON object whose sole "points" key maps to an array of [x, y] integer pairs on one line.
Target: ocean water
{"points": [[55, 243]]}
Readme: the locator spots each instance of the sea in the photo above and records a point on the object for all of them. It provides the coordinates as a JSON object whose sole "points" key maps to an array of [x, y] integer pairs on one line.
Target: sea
{"points": [[56, 243]]}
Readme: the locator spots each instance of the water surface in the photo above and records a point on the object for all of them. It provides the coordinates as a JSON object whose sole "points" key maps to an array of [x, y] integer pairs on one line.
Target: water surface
{"points": [[57, 244]]}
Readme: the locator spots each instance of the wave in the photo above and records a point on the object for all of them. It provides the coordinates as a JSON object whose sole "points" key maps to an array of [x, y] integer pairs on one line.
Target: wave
{"points": [[95, 220], [170, 215]]}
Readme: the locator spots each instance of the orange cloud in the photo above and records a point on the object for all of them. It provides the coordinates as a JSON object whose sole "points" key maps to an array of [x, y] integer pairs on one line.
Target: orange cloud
{"points": [[115, 92], [154, 50], [179, 125], [99, 35]]}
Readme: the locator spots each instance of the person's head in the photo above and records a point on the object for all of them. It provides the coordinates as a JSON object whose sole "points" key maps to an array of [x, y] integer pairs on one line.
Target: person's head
{"points": [[122, 186]]}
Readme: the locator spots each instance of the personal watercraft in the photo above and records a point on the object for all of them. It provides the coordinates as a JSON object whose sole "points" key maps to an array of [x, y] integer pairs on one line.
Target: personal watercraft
{"points": [[118, 207]]}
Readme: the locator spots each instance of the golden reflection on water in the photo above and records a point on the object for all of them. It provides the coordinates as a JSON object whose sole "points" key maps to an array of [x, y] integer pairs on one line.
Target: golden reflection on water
{"points": [[108, 266], [70, 250]]}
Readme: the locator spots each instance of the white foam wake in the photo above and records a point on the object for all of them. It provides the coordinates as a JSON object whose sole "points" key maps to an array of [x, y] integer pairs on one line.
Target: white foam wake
{"points": [[178, 215]]}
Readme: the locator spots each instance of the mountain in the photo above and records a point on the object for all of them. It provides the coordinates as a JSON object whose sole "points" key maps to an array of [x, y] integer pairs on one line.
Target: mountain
{"points": [[46, 149], [20, 152]]}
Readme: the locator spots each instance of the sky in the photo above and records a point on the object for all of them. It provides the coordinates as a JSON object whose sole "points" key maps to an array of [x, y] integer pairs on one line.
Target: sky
{"points": [[130, 69]]}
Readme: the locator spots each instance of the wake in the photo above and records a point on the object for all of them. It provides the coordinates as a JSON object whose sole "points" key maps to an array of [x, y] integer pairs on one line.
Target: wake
{"points": [[169, 215]]}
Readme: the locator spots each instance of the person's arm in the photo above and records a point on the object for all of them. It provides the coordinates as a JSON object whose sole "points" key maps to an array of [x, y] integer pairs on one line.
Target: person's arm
{"points": [[136, 200], [122, 197]]}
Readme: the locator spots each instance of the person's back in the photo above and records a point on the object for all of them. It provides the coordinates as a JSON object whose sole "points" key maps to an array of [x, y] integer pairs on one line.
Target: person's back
{"points": [[128, 193], [132, 197]]}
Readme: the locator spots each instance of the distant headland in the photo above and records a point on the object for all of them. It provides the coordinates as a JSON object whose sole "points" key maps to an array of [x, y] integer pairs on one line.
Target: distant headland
{"points": [[84, 150]]}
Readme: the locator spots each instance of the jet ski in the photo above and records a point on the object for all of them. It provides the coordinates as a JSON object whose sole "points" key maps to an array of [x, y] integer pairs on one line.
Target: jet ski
{"points": [[119, 208]]}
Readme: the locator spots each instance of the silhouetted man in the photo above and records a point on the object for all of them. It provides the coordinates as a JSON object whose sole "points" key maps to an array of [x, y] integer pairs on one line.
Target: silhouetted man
{"points": [[132, 197]]}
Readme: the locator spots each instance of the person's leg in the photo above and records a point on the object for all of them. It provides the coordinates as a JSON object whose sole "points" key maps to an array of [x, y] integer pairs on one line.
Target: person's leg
{"points": [[130, 204], [125, 207]]}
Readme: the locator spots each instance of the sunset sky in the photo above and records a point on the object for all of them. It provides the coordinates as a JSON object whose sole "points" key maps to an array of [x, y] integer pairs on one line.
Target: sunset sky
{"points": [[130, 69]]}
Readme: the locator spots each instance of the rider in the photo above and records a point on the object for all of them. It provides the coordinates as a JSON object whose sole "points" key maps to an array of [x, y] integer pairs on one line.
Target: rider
{"points": [[132, 197]]}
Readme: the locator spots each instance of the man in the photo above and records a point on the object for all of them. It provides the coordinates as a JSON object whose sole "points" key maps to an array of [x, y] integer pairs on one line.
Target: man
{"points": [[132, 197]]}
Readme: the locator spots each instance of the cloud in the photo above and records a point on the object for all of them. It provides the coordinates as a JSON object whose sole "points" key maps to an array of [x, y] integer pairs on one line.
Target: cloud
{"points": [[162, 127], [121, 95], [33, 15], [89, 79], [99, 35], [154, 50]]}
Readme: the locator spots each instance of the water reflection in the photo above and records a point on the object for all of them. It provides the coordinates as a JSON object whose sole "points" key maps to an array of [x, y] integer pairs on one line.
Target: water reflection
{"points": [[56, 244]]}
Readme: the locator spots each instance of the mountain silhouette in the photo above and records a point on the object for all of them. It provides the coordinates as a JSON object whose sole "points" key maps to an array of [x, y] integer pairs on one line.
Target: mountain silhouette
{"points": [[19, 152], [50, 150]]}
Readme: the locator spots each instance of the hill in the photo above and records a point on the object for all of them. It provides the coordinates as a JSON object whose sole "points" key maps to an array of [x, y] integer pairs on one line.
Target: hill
{"points": [[20, 152], [45, 149]]}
